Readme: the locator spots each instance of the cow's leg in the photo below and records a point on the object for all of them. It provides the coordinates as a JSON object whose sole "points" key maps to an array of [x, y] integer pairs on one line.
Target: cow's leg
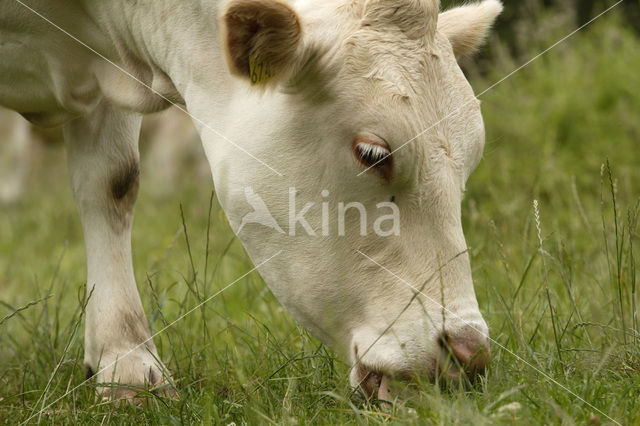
{"points": [[104, 168], [15, 141]]}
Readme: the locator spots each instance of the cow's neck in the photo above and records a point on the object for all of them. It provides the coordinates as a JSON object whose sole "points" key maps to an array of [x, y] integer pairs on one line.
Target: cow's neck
{"points": [[167, 45]]}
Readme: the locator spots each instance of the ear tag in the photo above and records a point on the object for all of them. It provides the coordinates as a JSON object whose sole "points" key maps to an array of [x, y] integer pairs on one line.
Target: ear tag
{"points": [[260, 72]]}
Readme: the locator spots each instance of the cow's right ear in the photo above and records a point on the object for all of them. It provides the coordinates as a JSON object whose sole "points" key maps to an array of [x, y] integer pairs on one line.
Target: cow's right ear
{"points": [[261, 39], [467, 26]]}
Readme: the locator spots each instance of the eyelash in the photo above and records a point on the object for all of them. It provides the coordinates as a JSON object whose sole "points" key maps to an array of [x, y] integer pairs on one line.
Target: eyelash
{"points": [[376, 157], [371, 153]]}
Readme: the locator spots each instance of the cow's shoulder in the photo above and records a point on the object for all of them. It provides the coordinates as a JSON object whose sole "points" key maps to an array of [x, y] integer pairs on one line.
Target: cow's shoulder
{"points": [[57, 64]]}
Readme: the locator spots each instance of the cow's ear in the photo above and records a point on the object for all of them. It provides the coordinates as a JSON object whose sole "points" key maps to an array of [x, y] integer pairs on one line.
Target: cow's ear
{"points": [[261, 39], [467, 26]]}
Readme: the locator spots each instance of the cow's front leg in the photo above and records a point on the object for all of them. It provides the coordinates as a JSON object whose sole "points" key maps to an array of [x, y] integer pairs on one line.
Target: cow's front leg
{"points": [[104, 168]]}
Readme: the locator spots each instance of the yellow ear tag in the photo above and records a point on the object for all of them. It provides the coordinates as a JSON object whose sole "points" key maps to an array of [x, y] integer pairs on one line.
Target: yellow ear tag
{"points": [[260, 72]]}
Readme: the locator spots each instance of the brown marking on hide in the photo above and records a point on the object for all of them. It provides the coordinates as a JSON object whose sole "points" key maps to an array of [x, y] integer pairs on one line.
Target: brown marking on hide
{"points": [[88, 372], [125, 181], [136, 330], [124, 192]]}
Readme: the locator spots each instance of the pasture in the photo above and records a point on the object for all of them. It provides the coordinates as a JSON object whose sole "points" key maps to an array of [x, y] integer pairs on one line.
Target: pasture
{"points": [[557, 284]]}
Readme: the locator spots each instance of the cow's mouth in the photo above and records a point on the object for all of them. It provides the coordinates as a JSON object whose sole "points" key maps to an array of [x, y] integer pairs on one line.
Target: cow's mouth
{"points": [[375, 385]]}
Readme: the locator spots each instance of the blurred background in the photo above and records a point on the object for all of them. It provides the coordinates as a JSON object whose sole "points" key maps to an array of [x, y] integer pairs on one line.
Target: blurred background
{"points": [[525, 23], [557, 285]]}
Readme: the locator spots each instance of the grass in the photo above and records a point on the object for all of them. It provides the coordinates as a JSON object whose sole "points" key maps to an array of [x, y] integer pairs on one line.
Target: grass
{"points": [[556, 283]]}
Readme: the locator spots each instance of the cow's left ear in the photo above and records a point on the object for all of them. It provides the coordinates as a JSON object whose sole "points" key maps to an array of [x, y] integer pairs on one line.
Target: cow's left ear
{"points": [[467, 26], [261, 39]]}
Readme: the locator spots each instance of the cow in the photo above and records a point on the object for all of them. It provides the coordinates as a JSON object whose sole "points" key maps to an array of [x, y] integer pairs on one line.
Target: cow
{"points": [[168, 141], [304, 103]]}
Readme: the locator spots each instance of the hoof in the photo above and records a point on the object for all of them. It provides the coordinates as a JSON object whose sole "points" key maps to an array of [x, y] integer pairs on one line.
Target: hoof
{"points": [[132, 380], [122, 395]]}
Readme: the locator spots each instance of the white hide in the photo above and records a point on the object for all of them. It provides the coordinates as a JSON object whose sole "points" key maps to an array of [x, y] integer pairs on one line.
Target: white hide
{"points": [[357, 69]]}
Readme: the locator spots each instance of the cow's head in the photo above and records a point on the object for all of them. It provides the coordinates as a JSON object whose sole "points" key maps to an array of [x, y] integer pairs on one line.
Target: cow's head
{"points": [[359, 101]]}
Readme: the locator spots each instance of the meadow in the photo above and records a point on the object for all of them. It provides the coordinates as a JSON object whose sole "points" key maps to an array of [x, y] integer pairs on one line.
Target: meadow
{"points": [[557, 283]]}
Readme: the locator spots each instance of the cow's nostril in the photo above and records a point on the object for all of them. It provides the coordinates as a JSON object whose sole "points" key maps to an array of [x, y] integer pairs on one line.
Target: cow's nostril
{"points": [[470, 348]]}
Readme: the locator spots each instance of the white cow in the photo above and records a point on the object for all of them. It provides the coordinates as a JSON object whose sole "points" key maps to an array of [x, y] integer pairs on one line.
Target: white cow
{"points": [[340, 85]]}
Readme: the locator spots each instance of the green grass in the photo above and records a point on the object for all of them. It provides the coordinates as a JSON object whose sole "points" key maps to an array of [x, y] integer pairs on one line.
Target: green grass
{"points": [[558, 289]]}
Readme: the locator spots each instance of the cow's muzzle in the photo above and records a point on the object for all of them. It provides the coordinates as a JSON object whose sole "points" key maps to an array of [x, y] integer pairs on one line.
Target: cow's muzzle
{"points": [[464, 354], [374, 385], [469, 350]]}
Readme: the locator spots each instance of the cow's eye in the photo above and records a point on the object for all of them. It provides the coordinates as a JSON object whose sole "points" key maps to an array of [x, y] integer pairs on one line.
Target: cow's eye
{"points": [[374, 154]]}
